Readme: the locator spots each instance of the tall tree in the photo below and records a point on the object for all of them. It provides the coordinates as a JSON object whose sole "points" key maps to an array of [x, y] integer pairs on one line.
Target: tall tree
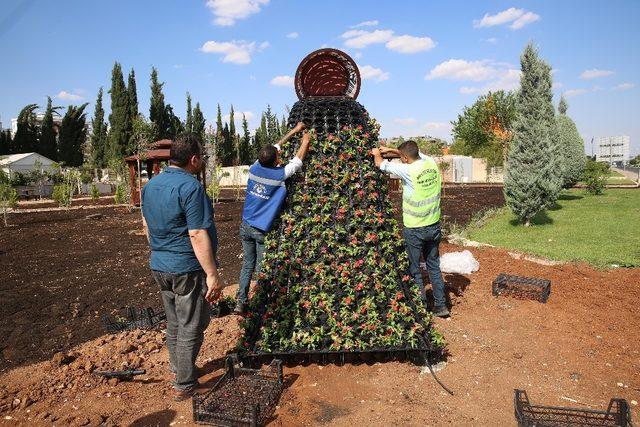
{"points": [[272, 126], [198, 121], [98, 135], [188, 125], [73, 134], [121, 126], [529, 184], [232, 123], [48, 144], [571, 146], [219, 135], [5, 142], [159, 114], [133, 95], [284, 128], [175, 124], [228, 148], [26, 137], [245, 144]]}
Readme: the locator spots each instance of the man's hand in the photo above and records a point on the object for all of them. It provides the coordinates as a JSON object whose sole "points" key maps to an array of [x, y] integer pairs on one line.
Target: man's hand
{"points": [[388, 152], [375, 152], [214, 287], [300, 126]]}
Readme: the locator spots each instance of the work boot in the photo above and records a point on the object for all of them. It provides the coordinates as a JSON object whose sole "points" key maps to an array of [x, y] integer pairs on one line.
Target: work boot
{"points": [[241, 308], [180, 395], [441, 311]]}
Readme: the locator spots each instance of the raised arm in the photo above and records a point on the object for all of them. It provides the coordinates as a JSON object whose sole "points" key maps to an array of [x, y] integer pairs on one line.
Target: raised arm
{"points": [[300, 126], [304, 146]]}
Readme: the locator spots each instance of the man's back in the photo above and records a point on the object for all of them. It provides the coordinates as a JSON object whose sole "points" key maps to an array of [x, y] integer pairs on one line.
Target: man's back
{"points": [[173, 203]]}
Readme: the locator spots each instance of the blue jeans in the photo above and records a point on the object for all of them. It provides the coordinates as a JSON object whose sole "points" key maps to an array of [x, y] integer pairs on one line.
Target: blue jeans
{"points": [[424, 241], [252, 252], [187, 318]]}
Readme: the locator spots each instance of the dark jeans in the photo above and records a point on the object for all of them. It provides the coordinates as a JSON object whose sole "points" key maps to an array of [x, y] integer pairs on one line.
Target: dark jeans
{"points": [[425, 241], [252, 252], [187, 318]]}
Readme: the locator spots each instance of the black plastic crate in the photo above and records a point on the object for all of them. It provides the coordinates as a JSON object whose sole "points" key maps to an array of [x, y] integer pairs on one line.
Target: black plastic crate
{"points": [[522, 287], [222, 307], [241, 397], [146, 318], [528, 415]]}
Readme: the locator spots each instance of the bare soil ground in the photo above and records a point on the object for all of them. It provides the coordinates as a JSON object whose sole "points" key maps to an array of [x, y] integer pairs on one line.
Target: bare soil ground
{"points": [[60, 272]]}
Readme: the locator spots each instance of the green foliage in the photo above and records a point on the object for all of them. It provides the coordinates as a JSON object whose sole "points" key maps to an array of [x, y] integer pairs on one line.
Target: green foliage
{"points": [[213, 189], [334, 276], [48, 145], [121, 195], [530, 182], [595, 176], [198, 121], [8, 199], [246, 148], [485, 128], [73, 135], [26, 137], [98, 140], [120, 117], [635, 161], [94, 192], [571, 145], [132, 95], [6, 142], [165, 123], [188, 124], [62, 195]]}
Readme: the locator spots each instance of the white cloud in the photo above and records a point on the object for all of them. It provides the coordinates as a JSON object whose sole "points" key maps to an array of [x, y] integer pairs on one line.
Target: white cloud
{"points": [[525, 19], [595, 73], [408, 121], [237, 117], [365, 24], [367, 72], [491, 40], [360, 38], [410, 44], [68, 96], [236, 52], [438, 129], [625, 86], [517, 17], [574, 92], [227, 12], [293, 35], [282, 81], [460, 69]]}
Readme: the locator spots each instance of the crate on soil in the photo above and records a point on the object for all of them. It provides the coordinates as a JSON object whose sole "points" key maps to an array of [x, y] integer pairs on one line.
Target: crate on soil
{"points": [[146, 318], [617, 414], [241, 397], [522, 287]]}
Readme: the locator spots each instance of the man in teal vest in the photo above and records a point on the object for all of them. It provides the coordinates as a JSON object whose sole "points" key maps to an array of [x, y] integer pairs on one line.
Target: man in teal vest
{"points": [[421, 185]]}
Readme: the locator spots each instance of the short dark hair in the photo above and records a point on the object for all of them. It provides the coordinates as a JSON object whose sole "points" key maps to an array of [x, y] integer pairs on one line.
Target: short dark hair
{"points": [[184, 147], [267, 156], [409, 149]]}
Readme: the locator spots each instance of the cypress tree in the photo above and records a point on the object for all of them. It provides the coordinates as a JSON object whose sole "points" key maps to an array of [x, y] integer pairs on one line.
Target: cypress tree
{"points": [[5, 142], [232, 123], [188, 125], [47, 146], [571, 146], [158, 112], [198, 121], [529, 183], [220, 155], [245, 144], [121, 126], [26, 137], [73, 135], [228, 149], [283, 127], [133, 95], [98, 135], [175, 125]]}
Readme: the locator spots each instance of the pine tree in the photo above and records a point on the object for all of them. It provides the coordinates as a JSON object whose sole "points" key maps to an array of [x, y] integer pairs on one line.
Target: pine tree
{"points": [[26, 137], [98, 135], [272, 126], [175, 124], [261, 136], [73, 135], [133, 95], [5, 142], [121, 126], [228, 149], [48, 144], [198, 121], [245, 144], [529, 183], [232, 123], [571, 146], [188, 125], [283, 127], [158, 111]]}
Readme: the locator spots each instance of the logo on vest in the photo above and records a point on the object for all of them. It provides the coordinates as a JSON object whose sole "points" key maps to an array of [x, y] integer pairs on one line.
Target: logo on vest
{"points": [[259, 189]]}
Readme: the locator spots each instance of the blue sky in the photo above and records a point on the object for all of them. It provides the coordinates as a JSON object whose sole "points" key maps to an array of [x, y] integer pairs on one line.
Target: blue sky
{"points": [[422, 60]]}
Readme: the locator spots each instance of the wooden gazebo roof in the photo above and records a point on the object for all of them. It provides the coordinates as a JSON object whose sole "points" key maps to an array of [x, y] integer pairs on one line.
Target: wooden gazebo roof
{"points": [[160, 151]]}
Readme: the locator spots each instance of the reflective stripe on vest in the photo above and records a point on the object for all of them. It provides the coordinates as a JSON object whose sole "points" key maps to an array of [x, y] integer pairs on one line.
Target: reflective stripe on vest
{"points": [[266, 181], [422, 208]]}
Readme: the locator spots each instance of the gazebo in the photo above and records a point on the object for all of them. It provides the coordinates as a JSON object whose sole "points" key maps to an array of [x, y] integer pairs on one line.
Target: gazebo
{"points": [[149, 161]]}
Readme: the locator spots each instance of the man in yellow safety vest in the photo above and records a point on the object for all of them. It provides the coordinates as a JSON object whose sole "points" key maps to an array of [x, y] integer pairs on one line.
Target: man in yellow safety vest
{"points": [[421, 186]]}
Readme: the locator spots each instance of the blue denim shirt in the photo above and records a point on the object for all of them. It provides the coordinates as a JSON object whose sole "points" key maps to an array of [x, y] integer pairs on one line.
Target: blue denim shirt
{"points": [[173, 203]]}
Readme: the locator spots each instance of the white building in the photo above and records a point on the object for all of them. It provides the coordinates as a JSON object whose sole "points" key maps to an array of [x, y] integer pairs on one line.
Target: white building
{"points": [[57, 122], [24, 163], [612, 149]]}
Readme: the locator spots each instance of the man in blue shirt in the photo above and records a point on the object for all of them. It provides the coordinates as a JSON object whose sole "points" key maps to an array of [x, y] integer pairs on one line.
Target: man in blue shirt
{"points": [[178, 220], [265, 195]]}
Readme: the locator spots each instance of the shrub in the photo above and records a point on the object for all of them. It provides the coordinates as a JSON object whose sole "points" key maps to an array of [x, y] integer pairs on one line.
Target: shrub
{"points": [[94, 192], [62, 194], [595, 176], [121, 195], [8, 199]]}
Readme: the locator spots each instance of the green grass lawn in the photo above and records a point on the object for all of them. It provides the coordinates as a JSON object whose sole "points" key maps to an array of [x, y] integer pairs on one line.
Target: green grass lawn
{"points": [[602, 230]]}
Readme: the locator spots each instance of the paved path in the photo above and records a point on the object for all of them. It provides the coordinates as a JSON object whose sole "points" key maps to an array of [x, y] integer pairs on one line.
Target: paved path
{"points": [[631, 173]]}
